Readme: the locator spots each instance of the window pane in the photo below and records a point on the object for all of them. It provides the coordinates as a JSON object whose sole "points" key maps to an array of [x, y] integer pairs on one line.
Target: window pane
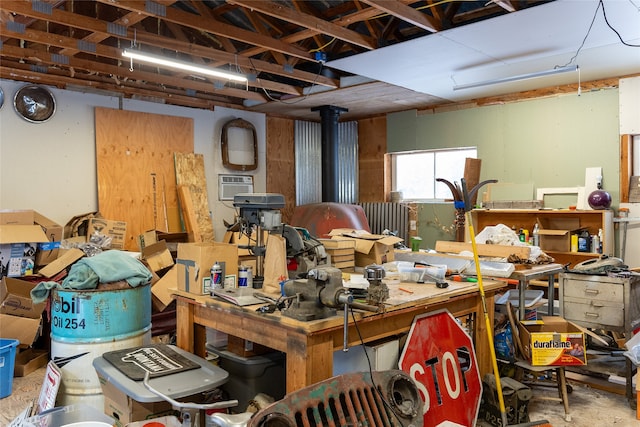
{"points": [[450, 166], [414, 175]]}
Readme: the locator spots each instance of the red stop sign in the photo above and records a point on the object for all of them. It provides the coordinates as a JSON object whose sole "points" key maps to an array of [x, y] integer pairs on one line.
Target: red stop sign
{"points": [[439, 356]]}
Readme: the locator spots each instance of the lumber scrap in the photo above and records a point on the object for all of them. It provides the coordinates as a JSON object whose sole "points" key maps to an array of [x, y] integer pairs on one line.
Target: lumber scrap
{"points": [[502, 251], [188, 213]]}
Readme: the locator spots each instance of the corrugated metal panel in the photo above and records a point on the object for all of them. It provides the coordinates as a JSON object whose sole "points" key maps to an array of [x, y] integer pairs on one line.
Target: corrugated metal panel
{"points": [[390, 216], [308, 167], [348, 178], [308, 147]]}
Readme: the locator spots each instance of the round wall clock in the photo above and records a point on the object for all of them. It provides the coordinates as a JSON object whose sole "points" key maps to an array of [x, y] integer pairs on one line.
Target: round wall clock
{"points": [[34, 103]]}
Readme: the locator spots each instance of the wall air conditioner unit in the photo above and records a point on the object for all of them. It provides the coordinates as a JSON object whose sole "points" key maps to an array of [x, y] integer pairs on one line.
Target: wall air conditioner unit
{"points": [[230, 185]]}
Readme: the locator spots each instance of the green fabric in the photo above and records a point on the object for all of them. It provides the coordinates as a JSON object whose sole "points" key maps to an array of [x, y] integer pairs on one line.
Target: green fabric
{"points": [[108, 266]]}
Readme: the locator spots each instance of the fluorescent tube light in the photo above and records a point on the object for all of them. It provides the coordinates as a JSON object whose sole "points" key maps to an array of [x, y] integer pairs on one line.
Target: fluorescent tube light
{"points": [[181, 65], [518, 78]]}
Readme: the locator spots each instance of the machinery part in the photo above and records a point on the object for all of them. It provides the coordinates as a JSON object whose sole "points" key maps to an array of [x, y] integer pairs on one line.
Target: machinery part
{"points": [[383, 398], [303, 251], [600, 265], [516, 398], [259, 211], [378, 292], [319, 295]]}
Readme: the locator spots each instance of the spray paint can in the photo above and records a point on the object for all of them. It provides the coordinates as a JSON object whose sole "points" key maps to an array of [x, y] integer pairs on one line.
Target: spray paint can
{"points": [[243, 276], [216, 277]]}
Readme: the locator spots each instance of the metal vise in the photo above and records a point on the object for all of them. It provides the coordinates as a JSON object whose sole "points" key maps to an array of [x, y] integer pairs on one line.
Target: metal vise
{"points": [[319, 295]]}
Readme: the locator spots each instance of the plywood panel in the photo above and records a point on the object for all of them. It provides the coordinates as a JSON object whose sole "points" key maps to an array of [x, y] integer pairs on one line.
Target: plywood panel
{"points": [[135, 168], [372, 146], [190, 174], [281, 170]]}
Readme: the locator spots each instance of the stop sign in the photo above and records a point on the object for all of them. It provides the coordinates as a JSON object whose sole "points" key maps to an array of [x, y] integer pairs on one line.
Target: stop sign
{"points": [[439, 357]]}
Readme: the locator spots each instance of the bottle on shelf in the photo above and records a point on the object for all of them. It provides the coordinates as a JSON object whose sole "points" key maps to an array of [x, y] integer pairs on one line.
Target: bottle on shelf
{"points": [[536, 235]]}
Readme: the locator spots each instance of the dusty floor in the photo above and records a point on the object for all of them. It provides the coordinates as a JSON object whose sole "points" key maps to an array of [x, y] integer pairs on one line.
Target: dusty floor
{"points": [[588, 407]]}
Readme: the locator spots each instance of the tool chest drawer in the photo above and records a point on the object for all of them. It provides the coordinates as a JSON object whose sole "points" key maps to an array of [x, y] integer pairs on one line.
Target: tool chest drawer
{"points": [[600, 314], [601, 302], [593, 290]]}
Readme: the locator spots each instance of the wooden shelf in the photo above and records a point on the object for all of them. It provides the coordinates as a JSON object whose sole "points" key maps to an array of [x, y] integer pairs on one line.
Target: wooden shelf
{"points": [[592, 220]]}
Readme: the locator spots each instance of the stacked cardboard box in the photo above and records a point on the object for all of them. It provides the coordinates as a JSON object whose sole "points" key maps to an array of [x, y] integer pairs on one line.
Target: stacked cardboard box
{"points": [[341, 251]]}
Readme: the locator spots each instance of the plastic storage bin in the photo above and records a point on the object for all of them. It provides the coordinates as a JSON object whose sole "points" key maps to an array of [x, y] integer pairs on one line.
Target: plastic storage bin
{"points": [[249, 376], [7, 361]]}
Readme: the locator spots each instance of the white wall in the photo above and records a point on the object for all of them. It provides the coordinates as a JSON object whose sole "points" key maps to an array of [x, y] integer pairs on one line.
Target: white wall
{"points": [[51, 166]]}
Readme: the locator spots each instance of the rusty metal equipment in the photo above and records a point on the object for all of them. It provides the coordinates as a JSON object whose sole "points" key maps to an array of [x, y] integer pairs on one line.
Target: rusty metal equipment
{"points": [[516, 400], [381, 399], [378, 292], [319, 295]]}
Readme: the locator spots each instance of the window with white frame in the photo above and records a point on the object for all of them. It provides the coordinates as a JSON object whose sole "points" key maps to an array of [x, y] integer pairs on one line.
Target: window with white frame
{"points": [[415, 172]]}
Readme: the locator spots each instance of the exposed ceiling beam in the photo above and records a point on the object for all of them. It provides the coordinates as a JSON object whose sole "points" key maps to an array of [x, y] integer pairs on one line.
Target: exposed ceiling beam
{"points": [[199, 22], [102, 28], [307, 21], [405, 13]]}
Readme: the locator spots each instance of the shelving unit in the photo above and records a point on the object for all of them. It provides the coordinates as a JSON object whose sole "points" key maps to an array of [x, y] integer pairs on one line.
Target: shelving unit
{"points": [[593, 220]]}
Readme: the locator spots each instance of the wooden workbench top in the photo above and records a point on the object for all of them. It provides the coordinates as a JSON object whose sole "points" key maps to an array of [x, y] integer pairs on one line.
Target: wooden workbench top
{"points": [[401, 295]]}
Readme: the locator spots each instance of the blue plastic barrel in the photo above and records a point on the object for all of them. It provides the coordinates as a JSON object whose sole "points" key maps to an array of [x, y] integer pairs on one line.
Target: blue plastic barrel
{"points": [[87, 323], [7, 361]]}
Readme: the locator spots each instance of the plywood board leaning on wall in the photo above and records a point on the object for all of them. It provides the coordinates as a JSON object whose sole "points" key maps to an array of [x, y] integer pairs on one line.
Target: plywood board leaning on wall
{"points": [[190, 174], [135, 168]]}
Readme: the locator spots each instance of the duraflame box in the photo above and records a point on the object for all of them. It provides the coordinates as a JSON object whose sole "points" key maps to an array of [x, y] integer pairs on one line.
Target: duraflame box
{"points": [[552, 341], [15, 298], [195, 261], [18, 246], [369, 248], [555, 233]]}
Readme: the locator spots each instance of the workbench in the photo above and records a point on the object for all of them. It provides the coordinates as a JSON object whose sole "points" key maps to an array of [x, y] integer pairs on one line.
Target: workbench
{"points": [[309, 346]]}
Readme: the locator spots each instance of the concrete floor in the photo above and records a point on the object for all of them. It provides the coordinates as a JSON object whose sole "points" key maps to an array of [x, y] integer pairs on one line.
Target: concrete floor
{"points": [[588, 407]]}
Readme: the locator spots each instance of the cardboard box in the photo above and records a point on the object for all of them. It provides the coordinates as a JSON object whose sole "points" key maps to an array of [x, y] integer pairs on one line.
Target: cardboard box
{"points": [[243, 241], [555, 233], [163, 289], [126, 410], [195, 261], [48, 251], [245, 348], [64, 260], [369, 248], [157, 256], [23, 329], [552, 341], [29, 360], [16, 217], [15, 299], [18, 246], [101, 227]]}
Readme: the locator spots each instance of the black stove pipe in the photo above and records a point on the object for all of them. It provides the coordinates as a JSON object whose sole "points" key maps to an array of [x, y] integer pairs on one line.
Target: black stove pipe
{"points": [[329, 115]]}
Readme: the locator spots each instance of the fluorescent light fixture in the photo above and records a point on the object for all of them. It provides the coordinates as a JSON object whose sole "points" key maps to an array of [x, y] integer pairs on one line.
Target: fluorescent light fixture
{"points": [[181, 65], [518, 78]]}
